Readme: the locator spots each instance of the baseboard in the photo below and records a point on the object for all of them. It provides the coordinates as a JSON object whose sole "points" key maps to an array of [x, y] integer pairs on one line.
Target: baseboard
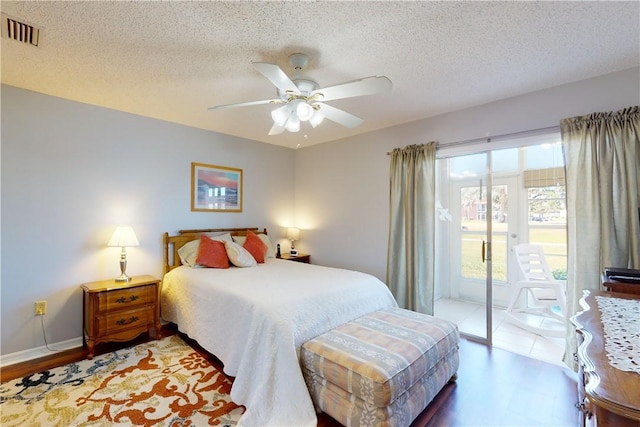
{"points": [[35, 353]]}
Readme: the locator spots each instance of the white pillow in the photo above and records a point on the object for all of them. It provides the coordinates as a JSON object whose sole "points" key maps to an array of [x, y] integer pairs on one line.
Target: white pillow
{"points": [[219, 236], [271, 252], [189, 251], [239, 256]]}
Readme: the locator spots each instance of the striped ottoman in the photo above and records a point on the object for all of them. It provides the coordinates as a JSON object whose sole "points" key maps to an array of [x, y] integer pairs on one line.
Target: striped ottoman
{"points": [[381, 369]]}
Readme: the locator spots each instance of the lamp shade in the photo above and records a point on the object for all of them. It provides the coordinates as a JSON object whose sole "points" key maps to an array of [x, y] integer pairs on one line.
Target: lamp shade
{"points": [[281, 115], [293, 234], [293, 124], [304, 111], [316, 119], [123, 237]]}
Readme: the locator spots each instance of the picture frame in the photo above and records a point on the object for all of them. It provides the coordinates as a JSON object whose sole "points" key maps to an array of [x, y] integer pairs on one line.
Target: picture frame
{"points": [[215, 188]]}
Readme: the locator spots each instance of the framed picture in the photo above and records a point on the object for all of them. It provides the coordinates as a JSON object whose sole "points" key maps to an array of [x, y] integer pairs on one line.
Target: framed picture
{"points": [[215, 188]]}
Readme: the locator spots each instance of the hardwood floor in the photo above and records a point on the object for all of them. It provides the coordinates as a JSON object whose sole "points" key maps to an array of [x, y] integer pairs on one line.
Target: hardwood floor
{"points": [[499, 388], [19, 370], [494, 388]]}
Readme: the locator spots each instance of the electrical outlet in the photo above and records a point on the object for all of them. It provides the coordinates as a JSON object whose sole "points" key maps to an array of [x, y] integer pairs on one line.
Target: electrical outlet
{"points": [[41, 308]]}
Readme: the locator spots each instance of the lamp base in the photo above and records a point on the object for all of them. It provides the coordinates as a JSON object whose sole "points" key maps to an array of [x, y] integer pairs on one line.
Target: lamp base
{"points": [[123, 267]]}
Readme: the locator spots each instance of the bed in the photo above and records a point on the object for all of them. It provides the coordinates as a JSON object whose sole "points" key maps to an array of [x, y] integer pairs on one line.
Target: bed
{"points": [[256, 319]]}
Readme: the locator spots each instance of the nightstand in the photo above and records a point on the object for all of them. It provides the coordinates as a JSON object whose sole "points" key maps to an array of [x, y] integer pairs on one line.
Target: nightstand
{"points": [[299, 258], [120, 311]]}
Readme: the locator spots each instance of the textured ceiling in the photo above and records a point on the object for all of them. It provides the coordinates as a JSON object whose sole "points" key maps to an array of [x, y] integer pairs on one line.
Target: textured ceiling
{"points": [[173, 60]]}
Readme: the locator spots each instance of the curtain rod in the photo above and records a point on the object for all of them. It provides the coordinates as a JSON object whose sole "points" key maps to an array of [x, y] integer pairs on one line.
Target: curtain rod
{"points": [[488, 139]]}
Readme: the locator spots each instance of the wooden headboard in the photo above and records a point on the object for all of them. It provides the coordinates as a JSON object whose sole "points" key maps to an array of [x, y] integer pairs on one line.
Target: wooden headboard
{"points": [[171, 244]]}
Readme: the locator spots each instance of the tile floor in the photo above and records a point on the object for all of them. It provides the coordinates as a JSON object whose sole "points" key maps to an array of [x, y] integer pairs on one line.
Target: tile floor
{"points": [[470, 319]]}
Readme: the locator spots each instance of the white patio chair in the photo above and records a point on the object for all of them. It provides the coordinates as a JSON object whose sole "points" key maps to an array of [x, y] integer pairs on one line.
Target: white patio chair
{"points": [[539, 294]]}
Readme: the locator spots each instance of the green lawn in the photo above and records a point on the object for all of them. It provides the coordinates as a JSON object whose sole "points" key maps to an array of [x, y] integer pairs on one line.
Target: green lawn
{"points": [[551, 237]]}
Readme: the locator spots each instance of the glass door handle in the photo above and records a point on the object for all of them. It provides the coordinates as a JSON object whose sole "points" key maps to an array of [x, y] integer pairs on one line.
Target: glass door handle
{"points": [[486, 248], [484, 251]]}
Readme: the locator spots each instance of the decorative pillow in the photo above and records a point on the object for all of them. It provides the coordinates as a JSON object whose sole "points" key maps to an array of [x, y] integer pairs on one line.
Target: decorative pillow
{"points": [[238, 255], [212, 253], [189, 251], [256, 247], [221, 237], [271, 251]]}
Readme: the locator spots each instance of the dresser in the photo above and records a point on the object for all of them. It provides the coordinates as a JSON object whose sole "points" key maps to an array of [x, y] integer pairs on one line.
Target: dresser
{"points": [[120, 311], [608, 393]]}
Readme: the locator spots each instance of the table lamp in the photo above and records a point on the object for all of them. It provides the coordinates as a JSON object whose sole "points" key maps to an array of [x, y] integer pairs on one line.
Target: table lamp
{"points": [[123, 237], [293, 234]]}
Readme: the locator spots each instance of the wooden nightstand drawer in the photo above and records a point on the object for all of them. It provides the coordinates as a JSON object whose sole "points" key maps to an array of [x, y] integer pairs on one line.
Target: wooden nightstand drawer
{"points": [[123, 299], [122, 320]]}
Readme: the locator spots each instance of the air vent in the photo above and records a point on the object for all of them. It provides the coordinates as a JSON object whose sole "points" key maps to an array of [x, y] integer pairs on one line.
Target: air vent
{"points": [[20, 31]]}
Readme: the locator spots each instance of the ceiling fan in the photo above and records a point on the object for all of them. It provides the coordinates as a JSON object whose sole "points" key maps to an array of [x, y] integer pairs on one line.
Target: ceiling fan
{"points": [[302, 99]]}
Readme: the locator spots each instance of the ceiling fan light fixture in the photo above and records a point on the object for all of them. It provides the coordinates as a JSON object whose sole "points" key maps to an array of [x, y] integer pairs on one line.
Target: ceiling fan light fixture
{"points": [[305, 101], [316, 119], [293, 124], [304, 111], [281, 115]]}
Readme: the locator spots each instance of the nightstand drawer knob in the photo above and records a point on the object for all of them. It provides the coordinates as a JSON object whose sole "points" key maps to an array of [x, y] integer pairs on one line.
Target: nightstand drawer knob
{"points": [[124, 300], [131, 320]]}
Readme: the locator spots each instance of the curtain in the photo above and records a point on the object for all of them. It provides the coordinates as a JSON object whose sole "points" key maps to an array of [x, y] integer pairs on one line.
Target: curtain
{"points": [[602, 157], [410, 257]]}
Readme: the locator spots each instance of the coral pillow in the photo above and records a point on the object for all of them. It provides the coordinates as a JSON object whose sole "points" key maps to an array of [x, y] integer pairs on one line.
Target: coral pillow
{"points": [[212, 253], [189, 252], [255, 246], [271, 250]]}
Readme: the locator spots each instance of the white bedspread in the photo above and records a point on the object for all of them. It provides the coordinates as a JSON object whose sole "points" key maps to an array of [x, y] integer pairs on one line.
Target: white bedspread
{"points": [[255, 320]]}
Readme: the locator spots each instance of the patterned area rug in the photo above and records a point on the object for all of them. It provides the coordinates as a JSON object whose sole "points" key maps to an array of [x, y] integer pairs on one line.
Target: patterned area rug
{"points": [[160, 383]]}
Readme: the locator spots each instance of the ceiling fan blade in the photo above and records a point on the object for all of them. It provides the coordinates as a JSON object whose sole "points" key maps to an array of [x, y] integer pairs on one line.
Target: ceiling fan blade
{"points": [[366, 86], [339, 116], [246, 104], [276, 76], [276, 129]]}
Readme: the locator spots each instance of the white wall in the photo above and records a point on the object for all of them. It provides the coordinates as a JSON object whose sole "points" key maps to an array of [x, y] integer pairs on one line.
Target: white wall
{"points": [[71, 172], [342, 188]]}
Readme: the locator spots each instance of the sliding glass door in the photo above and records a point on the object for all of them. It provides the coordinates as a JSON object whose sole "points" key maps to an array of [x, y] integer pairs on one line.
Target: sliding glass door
{"points": [[471, 233], [488, 202], [467, 237], [481, 190]]}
